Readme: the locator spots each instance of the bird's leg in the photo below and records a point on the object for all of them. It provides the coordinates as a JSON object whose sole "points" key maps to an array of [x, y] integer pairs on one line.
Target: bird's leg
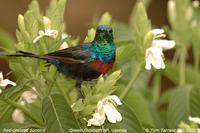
{"points": [[78, 87]]}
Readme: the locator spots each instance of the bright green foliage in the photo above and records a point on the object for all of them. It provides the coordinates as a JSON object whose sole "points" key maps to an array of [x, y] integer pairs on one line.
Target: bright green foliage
{"points": [[145, 106], [93, 95], [181, 25], [90, 36], [58, 114]]}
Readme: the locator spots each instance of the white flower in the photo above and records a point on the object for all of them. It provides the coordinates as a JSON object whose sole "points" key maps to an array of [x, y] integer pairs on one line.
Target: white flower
{"points": [[46, 32], [26, 98], [106, 107], [154, 55], [5, 82], [18, 116], [194, 119], [195, 3], [179, 130], [64, 45]]}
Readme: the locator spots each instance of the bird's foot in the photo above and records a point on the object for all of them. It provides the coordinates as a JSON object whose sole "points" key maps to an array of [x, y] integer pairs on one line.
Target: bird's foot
{"points": [[80, 91]]}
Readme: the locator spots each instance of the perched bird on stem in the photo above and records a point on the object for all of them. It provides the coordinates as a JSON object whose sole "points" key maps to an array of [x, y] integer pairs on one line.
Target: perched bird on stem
{"points": [[83, 62]]}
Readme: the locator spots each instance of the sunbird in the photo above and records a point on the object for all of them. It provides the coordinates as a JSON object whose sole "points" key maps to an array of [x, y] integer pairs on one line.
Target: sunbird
{"points": [[83, 62]]}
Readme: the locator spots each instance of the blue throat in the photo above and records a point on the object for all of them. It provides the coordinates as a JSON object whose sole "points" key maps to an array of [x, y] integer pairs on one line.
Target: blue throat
{"points": [[104, 52]]}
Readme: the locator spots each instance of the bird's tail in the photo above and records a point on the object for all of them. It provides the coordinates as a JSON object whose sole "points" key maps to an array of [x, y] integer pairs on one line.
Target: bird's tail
{"points": [[27, 54]]}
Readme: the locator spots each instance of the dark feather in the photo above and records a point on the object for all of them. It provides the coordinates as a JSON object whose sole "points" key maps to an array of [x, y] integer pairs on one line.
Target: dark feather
{"points": [[72, 55]]}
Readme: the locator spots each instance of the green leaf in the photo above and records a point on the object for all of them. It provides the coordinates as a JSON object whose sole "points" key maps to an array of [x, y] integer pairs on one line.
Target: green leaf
{"points": [[34, 6], [58, 114], [6, 41], [194, 102], [146, 2], [90, 36], [172, 72], [137, 102], [130, 121], [129, 124], [180, 13], [103, 85], [122, 32], [139, 21], [55, 13], [125, 52], [13, 94], [178, 109], [31, 24]]}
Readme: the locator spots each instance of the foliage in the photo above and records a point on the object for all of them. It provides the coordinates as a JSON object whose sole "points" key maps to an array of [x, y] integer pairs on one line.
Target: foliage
{"points": [[58, 108]]}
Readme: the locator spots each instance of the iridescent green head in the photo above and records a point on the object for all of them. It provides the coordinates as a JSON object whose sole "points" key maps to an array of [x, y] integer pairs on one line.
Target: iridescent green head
{"points": [[104, 34], [103, 44]]}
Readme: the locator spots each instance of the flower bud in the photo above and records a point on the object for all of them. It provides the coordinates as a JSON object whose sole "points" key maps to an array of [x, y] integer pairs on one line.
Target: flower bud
{"points": [[148, 38], [18, 116], [90, 36], [172, 11], [21, 22], [46, 22], [105, 19]]}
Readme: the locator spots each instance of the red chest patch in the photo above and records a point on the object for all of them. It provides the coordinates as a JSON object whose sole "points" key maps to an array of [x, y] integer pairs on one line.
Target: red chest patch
{"points": [[101, 67]]}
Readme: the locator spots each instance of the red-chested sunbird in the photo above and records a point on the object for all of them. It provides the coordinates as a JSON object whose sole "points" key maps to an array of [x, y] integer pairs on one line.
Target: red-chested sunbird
{"points": [[83, 62]]}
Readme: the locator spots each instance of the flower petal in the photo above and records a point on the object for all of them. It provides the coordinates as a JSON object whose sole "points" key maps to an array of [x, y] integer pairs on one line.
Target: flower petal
{"points": [[63, 46], [148, 64], [18, 116], [28, 96], [194, 119], [6, 82], [51, 33], [164, 44], [97, 119], [157, 32], [154, 57], [47, 32], [112, 114], [115, 99], [37, 39]]}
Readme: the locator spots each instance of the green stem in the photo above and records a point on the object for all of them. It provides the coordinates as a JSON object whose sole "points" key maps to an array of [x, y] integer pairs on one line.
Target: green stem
{"points": [[196, 63], [27, 112], [135, 73], [182, 65], [156, 88]]}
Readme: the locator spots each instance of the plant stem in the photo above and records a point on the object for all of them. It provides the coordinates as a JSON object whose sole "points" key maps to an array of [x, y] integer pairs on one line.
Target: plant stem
{"points": [[156, 88], [130, 83], [182, 63], [196, 62]]}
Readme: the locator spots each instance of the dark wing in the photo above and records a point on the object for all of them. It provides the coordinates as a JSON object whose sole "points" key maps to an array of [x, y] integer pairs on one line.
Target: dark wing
{"points": [[71, 55]]}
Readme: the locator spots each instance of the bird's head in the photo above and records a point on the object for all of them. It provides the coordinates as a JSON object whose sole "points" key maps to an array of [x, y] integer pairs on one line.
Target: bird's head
{"points": [[104, 34]]}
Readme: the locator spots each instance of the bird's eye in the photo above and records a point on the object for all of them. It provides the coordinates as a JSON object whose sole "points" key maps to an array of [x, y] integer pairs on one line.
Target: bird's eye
{"points": [[97, 31], [110, 31]]}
